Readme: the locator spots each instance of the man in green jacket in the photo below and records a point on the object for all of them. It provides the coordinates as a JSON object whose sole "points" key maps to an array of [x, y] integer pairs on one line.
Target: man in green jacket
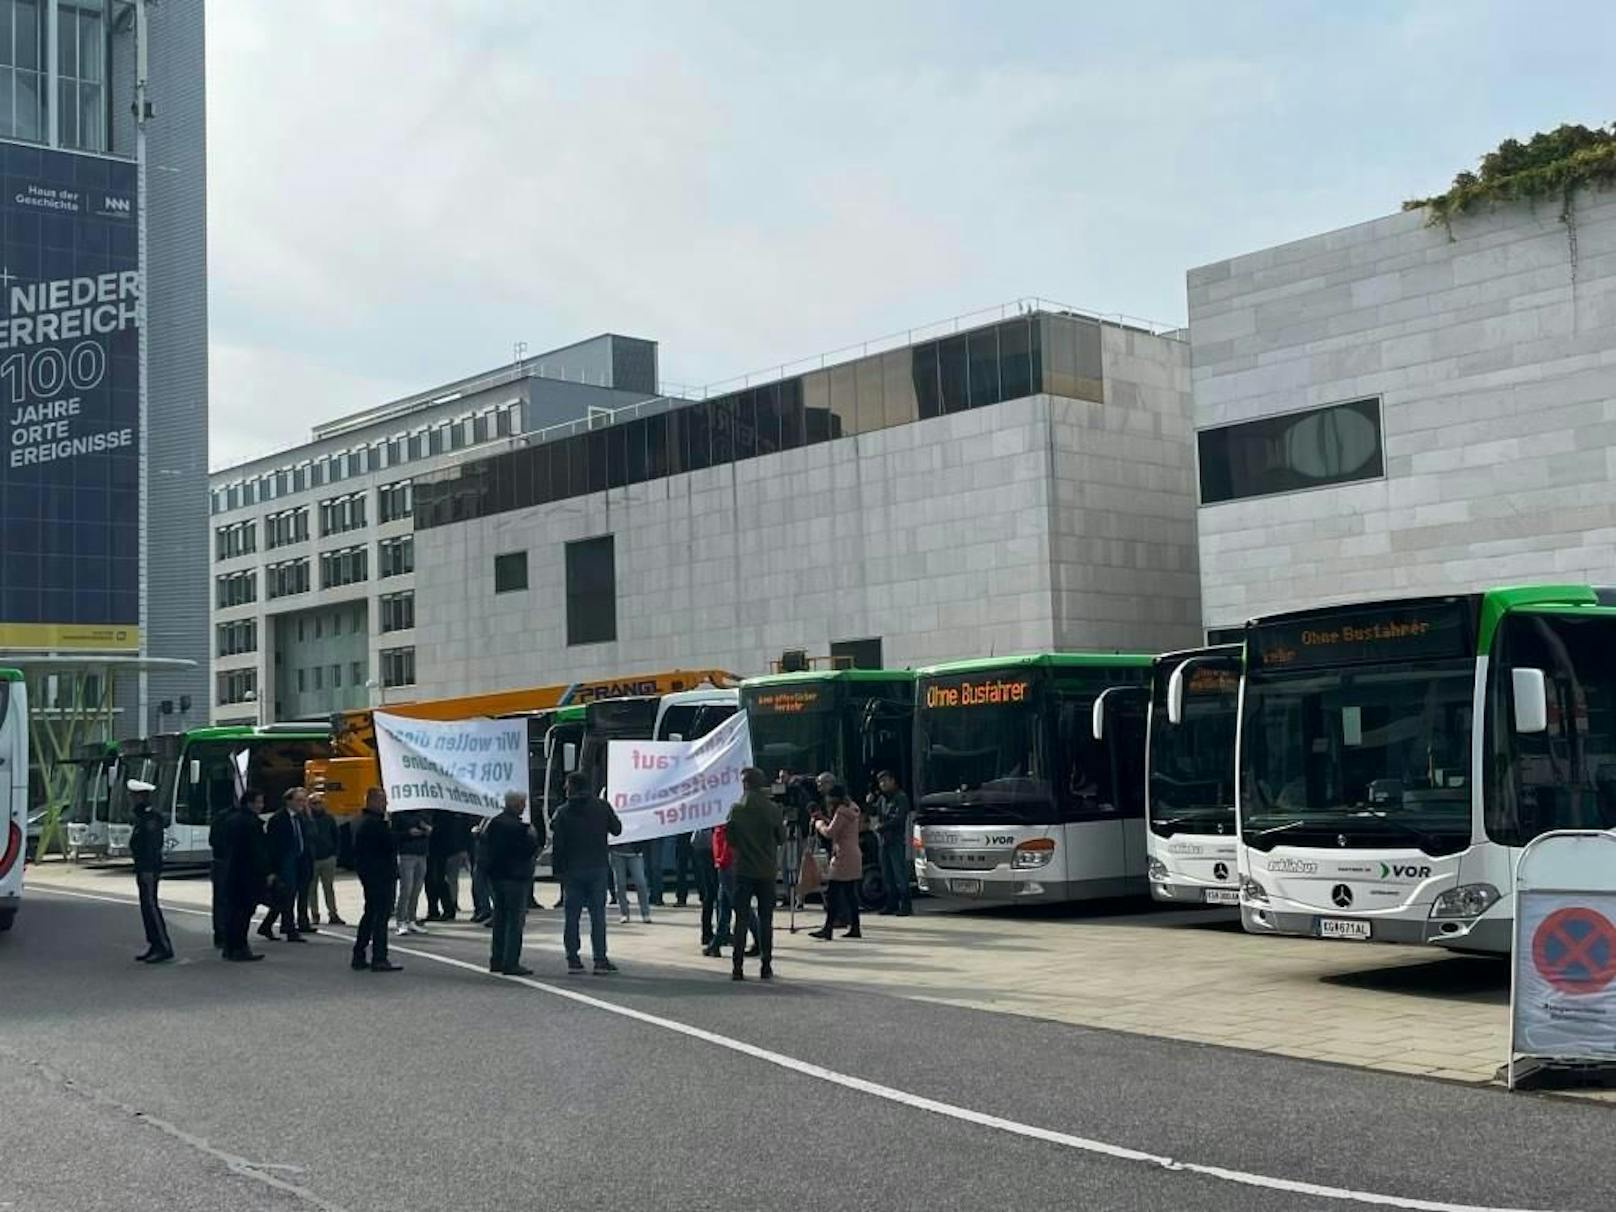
{"points": [[754, 833]]}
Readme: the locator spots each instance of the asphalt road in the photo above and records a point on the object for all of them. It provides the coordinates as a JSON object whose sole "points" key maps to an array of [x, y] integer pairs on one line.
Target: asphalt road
{"points": [[297, 1083]]}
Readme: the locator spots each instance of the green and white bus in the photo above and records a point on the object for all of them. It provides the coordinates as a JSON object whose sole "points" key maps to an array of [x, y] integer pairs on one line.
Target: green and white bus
{"points": [[1395, 757], [94, 767], [13, 792], [199, 774], [853, 723], [1189, 777], [1030, 777]]}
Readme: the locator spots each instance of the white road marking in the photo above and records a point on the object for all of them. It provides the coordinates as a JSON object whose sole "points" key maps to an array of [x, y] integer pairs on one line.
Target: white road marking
{"points": [[917, 1102]]}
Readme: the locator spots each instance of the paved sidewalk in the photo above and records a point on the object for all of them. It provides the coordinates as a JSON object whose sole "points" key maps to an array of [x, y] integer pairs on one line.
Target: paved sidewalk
{"points": [[1182, 974]]}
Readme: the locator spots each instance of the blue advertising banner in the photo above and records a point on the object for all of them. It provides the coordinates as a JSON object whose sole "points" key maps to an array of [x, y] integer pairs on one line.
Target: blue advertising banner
{"points": [[70, 398]]}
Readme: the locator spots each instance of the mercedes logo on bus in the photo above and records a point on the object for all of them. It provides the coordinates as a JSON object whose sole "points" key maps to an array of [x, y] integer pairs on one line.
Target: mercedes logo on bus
{"points": [[1340, 839], [1341, 895], [1220, 871]]}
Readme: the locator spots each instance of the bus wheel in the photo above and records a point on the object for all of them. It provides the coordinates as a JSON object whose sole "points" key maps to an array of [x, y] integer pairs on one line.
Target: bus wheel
{"points": [[7, 916]]}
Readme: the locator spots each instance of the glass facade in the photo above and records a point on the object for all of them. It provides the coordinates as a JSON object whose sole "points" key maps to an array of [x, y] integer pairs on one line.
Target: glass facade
{"points": [[22, 69], [1032, 353], [81, 77]]}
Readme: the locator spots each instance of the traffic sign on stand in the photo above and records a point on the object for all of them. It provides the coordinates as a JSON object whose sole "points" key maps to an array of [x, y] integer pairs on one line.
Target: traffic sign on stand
{"points": [[1562, 1004]]}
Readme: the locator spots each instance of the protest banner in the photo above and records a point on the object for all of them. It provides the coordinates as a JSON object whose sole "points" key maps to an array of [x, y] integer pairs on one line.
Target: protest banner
{"points": [[660, 788], [458, 765]]}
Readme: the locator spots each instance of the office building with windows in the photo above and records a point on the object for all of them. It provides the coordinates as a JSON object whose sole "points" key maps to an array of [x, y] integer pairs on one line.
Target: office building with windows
{"points": [[1400, 409], [313, 548], [103, 509], [1020, 481]]}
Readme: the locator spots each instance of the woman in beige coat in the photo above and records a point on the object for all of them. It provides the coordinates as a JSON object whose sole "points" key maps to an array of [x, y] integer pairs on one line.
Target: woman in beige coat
{"points": [[841, 832]]}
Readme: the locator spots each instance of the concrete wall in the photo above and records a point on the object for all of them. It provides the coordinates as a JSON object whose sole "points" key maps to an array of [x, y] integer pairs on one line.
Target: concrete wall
{"points": [[1494, 354], [947, 538]]}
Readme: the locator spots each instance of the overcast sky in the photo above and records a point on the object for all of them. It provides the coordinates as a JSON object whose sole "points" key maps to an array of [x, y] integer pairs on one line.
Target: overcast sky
{"points": [[400, 191]]}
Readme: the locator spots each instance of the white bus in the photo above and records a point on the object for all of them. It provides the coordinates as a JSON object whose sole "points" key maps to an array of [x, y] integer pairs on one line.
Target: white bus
{"points": [[1189, 777], [689, 715], [1395, 757], [94, 767], [1029, 777], [13, 792]]}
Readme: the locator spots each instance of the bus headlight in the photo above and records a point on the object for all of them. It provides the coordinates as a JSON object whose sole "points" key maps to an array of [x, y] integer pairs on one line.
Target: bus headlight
{"points": [[1251, 890], [1156, 869], [1032, 854], [1467, 900]]}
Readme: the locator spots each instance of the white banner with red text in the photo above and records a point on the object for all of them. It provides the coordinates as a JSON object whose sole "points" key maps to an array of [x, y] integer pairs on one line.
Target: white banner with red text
{"points": [[660, 788], [457, 765]]}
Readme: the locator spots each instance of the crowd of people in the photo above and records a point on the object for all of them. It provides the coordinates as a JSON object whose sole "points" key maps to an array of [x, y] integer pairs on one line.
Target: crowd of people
{"points": [[285, 860]]}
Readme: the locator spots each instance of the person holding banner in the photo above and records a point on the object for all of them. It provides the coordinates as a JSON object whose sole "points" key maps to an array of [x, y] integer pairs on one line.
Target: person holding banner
{"points": [[755, 833], [376, 859], [628, 862], [511, 846], [579, 831]]}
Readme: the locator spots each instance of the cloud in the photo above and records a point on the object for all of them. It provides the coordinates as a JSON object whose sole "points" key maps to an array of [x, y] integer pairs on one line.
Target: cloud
{"points": [[394, 202]]}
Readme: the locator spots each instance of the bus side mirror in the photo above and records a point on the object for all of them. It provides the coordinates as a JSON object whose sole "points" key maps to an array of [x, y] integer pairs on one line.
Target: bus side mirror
{"points": [[1531, 700], [1097, 723], [676, 736], [1175, 694], [196, 771], [569, 757]]}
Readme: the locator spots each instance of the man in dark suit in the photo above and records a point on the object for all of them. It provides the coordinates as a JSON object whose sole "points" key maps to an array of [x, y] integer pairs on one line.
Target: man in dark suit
{"points": [[245, 872], [284, 836], [376, 861]]}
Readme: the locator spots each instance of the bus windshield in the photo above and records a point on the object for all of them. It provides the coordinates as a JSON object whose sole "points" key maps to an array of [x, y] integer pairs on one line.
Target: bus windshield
{"points": [[120, 807], [804, 743], [89, 791], [1192, 762], [1371, 755], [1565, 776], [970, 754]]}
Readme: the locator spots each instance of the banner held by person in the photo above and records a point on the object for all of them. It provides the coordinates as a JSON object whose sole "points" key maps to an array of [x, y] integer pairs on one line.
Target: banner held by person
{"points": [[660, 788], [458, 765]]}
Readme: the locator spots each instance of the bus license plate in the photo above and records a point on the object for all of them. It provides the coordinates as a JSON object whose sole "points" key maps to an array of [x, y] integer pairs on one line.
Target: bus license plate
{"points": [[1222, 896], [971, 887], [1335, 927]]}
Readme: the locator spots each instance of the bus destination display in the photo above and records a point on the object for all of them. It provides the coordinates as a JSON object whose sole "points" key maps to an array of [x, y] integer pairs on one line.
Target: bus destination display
{"points": [[1435, 630]]}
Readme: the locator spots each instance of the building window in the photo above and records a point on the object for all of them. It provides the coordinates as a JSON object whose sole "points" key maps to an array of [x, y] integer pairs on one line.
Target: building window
{"points": [[510, 572], [396, 556], [1338, 444], [235, 589], [22, 74], [236, 638], [286, 578], [398, 666], [347, 566], [393, 501], [356, 672], [286, 527], [81, 60], [397, 610], [237, 539], [342, 514], [591, 591], [856, 654], [236, 684]]}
